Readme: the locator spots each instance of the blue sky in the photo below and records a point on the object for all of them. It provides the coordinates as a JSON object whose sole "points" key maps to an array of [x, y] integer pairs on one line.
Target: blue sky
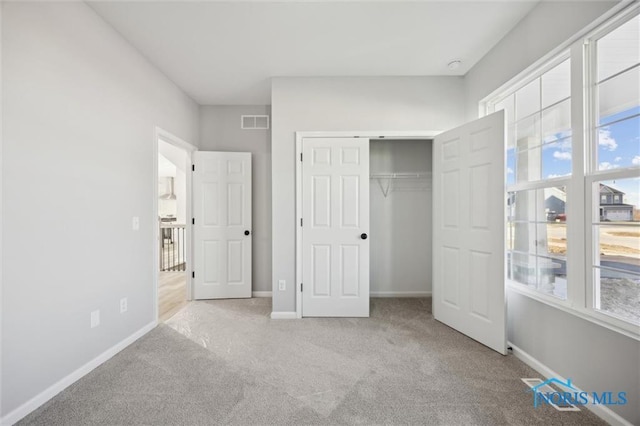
{"points": [[618, 146]]}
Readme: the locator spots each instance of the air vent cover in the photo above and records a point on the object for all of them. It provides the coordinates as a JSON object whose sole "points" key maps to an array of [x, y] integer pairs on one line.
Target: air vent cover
{"points": [[248, 122]]}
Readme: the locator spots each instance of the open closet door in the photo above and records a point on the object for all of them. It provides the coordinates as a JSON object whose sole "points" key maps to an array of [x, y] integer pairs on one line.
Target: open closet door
{"points": [[222, 225], [335, 227], [468, 230]]}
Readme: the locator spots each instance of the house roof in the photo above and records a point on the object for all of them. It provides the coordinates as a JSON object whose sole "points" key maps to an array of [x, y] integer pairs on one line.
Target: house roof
{"points": [[630, 206], [609, 190]]}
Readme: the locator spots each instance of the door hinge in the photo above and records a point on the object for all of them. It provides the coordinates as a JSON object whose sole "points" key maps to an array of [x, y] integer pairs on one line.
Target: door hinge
{"points": [[193, 167], [193, 220], [301, 287], [193, 274], [301, 157], [300, 221]]}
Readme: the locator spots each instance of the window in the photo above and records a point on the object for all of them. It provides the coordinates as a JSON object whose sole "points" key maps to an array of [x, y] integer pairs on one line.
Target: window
{"points": [[537, 240], [615, 259], [617, 89], [559, 185], [538, 154]]}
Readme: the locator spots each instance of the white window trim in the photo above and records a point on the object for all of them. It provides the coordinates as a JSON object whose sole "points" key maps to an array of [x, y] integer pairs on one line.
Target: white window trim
{"points": [[580, 191]]}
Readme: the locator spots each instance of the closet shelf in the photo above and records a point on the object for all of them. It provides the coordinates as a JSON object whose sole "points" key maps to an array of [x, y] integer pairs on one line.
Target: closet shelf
{"points": [[420, 181], [417, 175]]}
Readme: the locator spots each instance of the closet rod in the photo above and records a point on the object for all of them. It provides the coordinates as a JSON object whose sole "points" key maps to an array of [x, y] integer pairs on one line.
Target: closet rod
{"points": [[401, 175]]}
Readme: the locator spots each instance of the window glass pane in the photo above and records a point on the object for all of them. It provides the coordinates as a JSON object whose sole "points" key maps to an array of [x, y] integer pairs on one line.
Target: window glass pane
{"points": [[617, 237], [619, 247], [528, 132], [507, 104], [552, 277], [556, 122], [619, 97], [523, 268], [555, 200], [537, 239], [556, 159], [529, 164], [618, 293], [528, 149], [528, 99], [619, 49], [557, 237], [511, 136], [619, 144], [511, 166], [522, 206], [626, 211], [556, 84]]}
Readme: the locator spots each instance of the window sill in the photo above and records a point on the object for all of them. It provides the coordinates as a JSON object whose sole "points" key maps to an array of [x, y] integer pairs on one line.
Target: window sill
{"points": [[595, 317]]}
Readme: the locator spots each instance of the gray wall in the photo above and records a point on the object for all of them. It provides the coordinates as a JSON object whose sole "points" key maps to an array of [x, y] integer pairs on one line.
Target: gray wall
{"points": [[220, 131], [595, 358], [349, 103], [401, 221], [547, 26], [80, 106]]}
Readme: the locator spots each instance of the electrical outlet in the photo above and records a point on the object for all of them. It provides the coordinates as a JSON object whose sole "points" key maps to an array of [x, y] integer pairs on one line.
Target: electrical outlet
{"points": [[135, 223], [282, 285], [95, 319], [123, 305]]}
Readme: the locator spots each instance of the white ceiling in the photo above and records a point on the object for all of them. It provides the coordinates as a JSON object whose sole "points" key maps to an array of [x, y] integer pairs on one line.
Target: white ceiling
{"points": [[224, 53]]}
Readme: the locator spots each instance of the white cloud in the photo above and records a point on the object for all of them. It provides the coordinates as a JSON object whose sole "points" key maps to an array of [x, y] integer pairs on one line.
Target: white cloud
{"points": [[617, 159], [636, 160], [605, 140], [607, 166], [559, 155], [509, 171], [553, 175]]}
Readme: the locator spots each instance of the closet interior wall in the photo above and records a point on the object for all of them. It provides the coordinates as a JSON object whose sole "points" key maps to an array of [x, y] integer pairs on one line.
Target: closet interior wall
{"points": [[400, 209]]}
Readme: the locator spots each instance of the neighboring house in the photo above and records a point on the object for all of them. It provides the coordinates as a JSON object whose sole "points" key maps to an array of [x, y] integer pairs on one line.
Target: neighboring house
{"points": [[554, 203], [612, 207]]}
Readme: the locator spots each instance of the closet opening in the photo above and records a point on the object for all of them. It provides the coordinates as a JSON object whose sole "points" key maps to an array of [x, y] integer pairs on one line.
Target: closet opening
{"points": [[401, 217]]}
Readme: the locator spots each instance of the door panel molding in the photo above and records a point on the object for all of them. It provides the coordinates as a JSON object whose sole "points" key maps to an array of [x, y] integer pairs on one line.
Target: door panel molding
{"points": [[468, 230], [335, 258], [222, 229]]}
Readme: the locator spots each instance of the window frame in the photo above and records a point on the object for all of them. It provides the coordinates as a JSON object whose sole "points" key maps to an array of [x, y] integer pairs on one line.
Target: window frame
{"points": [[580, 189]]}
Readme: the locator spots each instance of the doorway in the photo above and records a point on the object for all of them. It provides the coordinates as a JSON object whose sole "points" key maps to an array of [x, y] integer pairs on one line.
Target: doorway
{"points": [[401, 214], [171, 216]]}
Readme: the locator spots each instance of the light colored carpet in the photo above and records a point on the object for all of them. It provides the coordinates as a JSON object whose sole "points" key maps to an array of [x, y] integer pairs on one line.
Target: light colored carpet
{"points": [[226, 362]]}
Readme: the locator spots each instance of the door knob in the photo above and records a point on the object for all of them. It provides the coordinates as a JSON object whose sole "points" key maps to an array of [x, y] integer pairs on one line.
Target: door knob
{"points": [[246, 232], [363, 236]]}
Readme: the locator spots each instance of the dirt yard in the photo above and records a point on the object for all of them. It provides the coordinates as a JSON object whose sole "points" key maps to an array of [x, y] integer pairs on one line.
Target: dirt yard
{"points": [[622, 241]]}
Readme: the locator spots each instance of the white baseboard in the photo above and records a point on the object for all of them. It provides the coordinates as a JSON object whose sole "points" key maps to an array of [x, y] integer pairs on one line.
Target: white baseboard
{"points": [[400, 294], [604, 412], [283, 315], [44, 396], [260, 294]]}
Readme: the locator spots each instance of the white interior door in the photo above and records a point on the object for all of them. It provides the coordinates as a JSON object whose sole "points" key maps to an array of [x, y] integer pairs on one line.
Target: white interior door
{"points": [[468, 230], [335, 227], [222, 225]]}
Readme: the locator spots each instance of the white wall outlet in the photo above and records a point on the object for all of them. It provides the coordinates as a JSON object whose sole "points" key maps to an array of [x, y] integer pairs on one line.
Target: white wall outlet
{"points": [[95, 318], [123, 305], [282, 285], [135, 223]]}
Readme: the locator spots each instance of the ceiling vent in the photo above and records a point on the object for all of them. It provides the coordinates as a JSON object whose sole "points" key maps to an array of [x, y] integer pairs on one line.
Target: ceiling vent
{"points": [[252, 122]]}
